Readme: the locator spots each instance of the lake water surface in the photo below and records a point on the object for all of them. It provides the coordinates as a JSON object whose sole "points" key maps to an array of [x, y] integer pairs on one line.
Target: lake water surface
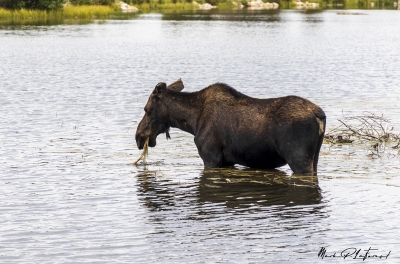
{"points": [[71, 96]]}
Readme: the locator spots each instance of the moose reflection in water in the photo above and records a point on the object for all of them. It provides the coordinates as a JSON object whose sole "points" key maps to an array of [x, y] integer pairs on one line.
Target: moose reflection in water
{"points": [[243, 188], [232, 128], [233, 188]]}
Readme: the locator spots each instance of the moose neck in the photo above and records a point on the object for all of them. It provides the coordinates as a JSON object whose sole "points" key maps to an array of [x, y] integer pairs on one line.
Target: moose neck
{"points": [[184, 109]]}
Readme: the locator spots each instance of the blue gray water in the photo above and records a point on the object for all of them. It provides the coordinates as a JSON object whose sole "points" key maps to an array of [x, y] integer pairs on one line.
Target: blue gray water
{"points": [[71, 96]]}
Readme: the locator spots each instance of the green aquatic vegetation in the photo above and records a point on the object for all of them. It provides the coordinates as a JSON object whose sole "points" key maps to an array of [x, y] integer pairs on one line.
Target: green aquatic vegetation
{"points": [[87, 11], [226, 5], [25, 14], [5, 14], [82, 12], [163, 5], [91, 2]]}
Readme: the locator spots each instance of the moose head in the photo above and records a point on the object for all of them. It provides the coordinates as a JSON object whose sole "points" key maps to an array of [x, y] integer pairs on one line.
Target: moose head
{"points": [[155, 119]]}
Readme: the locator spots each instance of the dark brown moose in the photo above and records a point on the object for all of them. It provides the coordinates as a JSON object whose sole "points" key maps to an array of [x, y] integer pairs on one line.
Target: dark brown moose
{"points": [[232, 128]]}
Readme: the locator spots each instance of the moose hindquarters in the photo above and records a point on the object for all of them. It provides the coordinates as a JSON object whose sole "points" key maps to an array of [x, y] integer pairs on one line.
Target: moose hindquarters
{"points": [[300, 146]]}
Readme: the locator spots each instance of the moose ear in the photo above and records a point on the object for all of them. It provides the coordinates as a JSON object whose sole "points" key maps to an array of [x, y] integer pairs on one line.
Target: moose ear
{"points": [[160, 89], [176, 86]]}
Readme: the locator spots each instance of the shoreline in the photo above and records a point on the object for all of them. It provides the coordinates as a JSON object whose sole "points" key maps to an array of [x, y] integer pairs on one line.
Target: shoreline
{"points": [[108, 12]]}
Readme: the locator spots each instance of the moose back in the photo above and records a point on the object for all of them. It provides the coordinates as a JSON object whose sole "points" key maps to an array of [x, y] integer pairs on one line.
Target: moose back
{"points": [[232, 128]]}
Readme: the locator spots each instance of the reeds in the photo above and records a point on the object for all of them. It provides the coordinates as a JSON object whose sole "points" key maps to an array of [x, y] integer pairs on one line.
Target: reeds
{"points": [[81, 12], [5, 14], [25, 14], [87, 12], [167, 6], [144, 154]]}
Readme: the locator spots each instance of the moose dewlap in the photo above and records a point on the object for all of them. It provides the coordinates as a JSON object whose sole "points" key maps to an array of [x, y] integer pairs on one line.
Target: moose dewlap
{"points": [[232, 128]]}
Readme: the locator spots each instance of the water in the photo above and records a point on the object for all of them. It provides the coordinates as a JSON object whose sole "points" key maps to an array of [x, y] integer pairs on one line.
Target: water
{"points": [[73, 94]]}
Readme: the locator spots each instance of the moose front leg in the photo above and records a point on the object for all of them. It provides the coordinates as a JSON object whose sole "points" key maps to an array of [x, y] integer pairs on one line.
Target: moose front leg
{"points": [[211, 155]]}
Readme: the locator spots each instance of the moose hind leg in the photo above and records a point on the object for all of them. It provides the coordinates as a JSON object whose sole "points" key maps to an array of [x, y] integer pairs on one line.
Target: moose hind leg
{"points": [[301, 160], [317, 150], [304, 146], [302, 166]]}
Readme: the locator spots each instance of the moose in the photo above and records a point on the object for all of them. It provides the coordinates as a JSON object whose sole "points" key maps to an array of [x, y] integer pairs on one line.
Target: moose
{"points": [[231, 128]]}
